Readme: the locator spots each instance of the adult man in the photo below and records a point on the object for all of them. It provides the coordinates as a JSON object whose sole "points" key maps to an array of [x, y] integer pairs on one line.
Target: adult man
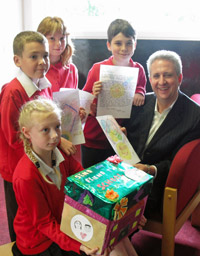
{"points": [[166, 121]]}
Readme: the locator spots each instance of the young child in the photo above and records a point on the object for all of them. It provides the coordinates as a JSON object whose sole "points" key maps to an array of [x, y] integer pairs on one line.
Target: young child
{"points": [[38, 182], [62, 72], [31, 55], [122, 43]]}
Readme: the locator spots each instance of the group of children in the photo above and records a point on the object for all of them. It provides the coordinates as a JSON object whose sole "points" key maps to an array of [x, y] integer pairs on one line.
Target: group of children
{"points": [[35, 160]]}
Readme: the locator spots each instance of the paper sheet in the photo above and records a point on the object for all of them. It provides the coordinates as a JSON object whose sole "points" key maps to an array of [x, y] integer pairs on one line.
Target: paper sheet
{"points": [[118, 139], [69, 102], [118, 90]]}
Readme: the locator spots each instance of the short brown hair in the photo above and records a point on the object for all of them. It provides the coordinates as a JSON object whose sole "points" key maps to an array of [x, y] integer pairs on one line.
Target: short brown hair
{"points": [[120, 26], [26, 37]]}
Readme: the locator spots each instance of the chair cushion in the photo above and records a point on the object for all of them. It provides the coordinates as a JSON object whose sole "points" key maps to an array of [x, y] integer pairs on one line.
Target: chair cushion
{"points": [[196, 98]]}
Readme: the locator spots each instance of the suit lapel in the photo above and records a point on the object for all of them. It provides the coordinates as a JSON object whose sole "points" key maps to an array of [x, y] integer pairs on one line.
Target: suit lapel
{"points": [[174, 117]]}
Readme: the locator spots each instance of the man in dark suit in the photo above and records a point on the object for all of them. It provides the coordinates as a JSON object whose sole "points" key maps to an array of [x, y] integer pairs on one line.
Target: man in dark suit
{"points": [[167, 120]]}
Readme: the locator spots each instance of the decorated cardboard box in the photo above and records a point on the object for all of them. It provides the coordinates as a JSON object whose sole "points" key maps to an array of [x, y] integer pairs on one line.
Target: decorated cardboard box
{"points": [[104, 203]]}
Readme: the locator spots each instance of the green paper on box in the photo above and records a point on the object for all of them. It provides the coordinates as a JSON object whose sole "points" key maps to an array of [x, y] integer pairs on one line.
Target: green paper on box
{"points": [[108, 188]]}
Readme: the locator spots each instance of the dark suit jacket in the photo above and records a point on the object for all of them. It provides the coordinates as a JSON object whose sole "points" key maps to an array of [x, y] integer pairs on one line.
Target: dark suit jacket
{"points": [[181, 125]]}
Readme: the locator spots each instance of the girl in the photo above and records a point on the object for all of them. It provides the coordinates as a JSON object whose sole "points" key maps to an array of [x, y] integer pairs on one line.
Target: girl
{"points": [[62, 73], [38, 182]]}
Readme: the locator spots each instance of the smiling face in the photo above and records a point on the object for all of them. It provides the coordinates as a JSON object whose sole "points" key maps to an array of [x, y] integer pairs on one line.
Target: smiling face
{"points": [[34, 61], [57, 44], [164, 81], [44, 132], [122, 49]]}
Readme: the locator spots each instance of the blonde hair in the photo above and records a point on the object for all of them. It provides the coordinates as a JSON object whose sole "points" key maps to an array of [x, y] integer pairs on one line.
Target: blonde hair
{"points": [[40, 105], [50, 25]]}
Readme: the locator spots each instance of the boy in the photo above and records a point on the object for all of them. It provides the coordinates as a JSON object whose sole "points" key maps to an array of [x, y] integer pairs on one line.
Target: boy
{"points": [[122, 43], [31, 55]]}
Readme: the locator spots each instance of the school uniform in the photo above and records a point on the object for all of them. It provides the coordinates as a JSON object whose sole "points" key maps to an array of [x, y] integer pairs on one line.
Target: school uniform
{"points": [[62, 76], [40, 205], [13, 96], [97, 147]]}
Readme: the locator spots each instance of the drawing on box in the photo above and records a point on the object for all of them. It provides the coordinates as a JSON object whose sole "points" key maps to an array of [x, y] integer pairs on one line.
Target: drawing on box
{"points": [[82, 228]]}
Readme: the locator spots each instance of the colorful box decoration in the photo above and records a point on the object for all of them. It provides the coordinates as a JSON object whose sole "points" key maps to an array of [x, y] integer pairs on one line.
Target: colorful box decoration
{"points": [[104, 203]]}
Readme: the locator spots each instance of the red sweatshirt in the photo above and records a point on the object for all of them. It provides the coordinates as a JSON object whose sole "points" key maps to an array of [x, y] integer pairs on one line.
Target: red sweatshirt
{"points": [[62, 76], [12, 97], [93, 133], [40, 204]]}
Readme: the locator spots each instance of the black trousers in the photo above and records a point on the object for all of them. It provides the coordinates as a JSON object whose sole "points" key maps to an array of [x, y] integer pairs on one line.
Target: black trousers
{"points": [[11, 208], [53, 250], [91, 156]]}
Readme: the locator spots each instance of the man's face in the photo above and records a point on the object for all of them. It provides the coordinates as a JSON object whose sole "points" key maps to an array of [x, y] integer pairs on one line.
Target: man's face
{"points": [[164, 81]]}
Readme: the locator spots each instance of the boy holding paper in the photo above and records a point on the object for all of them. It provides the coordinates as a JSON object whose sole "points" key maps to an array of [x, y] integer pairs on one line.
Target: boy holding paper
{"points": [[122, 44]]}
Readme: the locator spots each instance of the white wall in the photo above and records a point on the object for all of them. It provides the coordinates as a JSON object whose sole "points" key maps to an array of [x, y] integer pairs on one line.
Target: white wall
{"points": [[11, 24]]}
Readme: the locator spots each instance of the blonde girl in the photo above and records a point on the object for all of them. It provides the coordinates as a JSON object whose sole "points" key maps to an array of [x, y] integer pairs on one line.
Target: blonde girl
{"points": [[62, 72], [38, 183]]}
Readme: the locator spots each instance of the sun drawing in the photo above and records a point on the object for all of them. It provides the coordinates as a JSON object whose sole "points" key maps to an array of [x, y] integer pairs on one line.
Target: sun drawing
{"points": [[117, 90]]}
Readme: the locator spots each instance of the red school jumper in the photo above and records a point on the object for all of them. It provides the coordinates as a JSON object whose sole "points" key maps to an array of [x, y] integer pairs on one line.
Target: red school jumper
{"points": [[62, 76], [40, 205], [94, 136], [12, 97]]}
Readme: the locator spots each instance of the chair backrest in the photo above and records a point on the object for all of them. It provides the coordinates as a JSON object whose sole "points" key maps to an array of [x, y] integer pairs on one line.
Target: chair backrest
{"points": [[184, 174], [196, 98]]}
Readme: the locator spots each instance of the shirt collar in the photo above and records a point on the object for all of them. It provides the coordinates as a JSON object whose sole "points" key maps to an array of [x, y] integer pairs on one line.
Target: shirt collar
{"points": [[167, 109], [44, 167], [30, 86]]}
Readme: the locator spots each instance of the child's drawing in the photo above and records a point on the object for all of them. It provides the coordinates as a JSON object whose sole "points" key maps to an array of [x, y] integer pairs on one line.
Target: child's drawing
{"points": [[82, 228], [118, 90], [117, 139], [69, 102]]}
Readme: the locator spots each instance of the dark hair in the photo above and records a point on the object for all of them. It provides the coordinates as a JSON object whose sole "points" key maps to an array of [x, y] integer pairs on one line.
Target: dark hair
{"points": [[26, 37], [120, 26]]}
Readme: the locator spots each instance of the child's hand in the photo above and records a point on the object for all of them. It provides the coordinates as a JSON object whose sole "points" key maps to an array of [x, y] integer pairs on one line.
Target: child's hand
{"points": [[89, 251], [93, 252], [93, 107], [123, 129], [142, 222], [138, 99], [97, 87], [67, 147], [82, 113]]}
